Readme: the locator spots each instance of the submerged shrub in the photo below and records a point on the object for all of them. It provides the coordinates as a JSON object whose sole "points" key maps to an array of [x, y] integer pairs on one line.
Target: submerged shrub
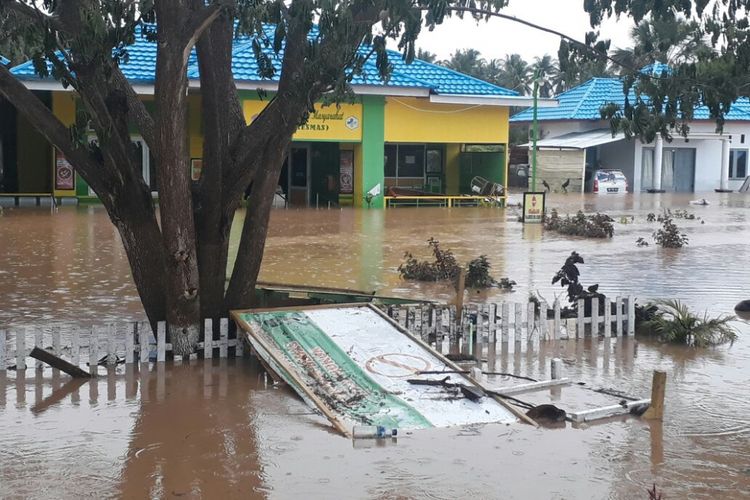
{"points": [[445, 267], [671, 321], [669, 236], [597, 225]]}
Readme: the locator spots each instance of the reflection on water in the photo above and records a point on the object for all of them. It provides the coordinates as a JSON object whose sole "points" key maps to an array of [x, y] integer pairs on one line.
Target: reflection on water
{"points": [[219, 431]]}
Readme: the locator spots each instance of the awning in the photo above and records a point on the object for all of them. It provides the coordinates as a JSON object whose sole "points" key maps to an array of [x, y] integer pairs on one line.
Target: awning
{"points": [[578, 140]]}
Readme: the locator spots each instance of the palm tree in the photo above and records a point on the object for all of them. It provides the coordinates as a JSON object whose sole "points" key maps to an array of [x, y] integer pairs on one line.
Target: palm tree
{"points": [[670, 42], [549, 74], [515, 74], [426, 56], [467, 61]]}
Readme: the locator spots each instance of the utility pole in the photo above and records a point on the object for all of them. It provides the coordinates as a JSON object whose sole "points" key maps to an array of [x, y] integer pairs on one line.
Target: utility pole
{"points": [[534, 132]]}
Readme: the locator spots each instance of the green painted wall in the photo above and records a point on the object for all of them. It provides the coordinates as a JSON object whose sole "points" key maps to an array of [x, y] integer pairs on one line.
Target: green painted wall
{"points": [[491, 166], [373, 151]]}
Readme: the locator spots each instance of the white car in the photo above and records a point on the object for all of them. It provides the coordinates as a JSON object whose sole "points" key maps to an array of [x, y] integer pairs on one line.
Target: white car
{"points": [[608, 182]]}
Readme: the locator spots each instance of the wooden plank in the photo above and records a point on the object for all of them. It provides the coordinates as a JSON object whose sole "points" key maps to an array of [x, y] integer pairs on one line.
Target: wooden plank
{"points": [[595, 317], [223, 337], [492, 324], [518, 323], [531, 386], [144, 341], [607, 317], [581, 324], [161, 341], [21, 348], [38, 342], [543, 333], [530, 314], [3, 352], [619, 318], [631, 315], [238, 344], [129, 342], [57, 362], [56, 344], [111, 347], [208, 338], [75, 346], [606, 411], [658, 386], [556, 322], [93, 350], [505, 317]]}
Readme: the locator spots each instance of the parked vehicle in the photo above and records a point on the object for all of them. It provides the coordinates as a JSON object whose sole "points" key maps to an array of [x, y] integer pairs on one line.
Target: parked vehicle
{"points": [[607, 182]]}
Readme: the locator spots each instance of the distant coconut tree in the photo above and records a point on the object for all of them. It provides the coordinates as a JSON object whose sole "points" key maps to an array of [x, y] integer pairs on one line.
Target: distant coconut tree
{"points": [[467, 61], [516, 74], [549, 74], [426, 55]]}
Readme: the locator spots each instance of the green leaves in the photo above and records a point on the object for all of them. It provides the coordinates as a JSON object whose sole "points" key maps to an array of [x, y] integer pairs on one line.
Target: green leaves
{"points": [[673, 322]]}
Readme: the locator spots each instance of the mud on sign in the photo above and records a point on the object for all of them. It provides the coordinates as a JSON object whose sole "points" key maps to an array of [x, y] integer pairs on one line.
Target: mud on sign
{"points": [[533, 207]]}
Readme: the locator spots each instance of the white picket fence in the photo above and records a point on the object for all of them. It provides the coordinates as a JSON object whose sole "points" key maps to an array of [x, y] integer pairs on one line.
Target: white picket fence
{"points": [[507, 322], [131, 342]]}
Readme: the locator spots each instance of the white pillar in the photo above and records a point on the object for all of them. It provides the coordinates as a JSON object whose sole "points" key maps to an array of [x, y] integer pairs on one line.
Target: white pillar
{"points": [[725, 143], [658, 156]]}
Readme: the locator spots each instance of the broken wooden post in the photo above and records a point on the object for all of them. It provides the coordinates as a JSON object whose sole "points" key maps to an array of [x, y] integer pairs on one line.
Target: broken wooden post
{"points": [[658, 386], [59, 363], [556, 369]]}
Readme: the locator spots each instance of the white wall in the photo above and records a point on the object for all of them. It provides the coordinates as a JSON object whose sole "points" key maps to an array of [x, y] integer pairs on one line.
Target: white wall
{"points": [[627, 155]]}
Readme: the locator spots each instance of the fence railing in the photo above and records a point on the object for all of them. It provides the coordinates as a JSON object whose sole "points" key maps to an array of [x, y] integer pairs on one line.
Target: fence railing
{"points": [[122, 342], [507, 322]]}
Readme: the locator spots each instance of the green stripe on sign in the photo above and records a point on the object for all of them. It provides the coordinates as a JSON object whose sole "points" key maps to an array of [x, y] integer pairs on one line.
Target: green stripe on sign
{"points": [[332, 375]]}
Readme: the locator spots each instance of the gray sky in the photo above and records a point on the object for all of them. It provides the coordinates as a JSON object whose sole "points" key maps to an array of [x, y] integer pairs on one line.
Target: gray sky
{"points": [[498, 37]]}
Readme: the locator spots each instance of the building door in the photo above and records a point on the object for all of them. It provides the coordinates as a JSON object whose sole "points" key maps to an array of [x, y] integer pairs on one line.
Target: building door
{"points": [[298, 165], [684, 170]]}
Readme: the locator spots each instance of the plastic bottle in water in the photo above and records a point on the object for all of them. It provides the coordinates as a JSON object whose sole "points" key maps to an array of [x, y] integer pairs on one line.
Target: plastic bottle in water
{"points": [[372, 432]]}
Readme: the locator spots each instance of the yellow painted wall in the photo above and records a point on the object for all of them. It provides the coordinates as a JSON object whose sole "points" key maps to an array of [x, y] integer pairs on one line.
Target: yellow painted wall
{"points": [[328, 123], [358, 173], [452, 168], [64, 108], [411, 119]]}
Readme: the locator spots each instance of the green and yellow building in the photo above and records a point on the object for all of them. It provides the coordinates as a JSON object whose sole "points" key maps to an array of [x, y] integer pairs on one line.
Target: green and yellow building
{"points": [[427, 130]]}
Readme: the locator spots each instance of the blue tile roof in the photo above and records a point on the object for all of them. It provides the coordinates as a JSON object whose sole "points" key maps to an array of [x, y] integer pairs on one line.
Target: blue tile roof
{"points": [[4, 61], [585, 101], [140, 67]]}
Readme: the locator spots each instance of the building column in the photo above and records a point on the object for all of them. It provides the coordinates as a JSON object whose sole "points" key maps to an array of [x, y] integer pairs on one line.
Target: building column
{"points": [[369, 166], [658, 157], [724, 184]]}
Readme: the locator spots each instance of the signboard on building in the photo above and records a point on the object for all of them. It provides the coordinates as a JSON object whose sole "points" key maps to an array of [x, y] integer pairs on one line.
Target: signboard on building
{"points": [[326, 123], [64, 173], [196, 168], [533, 208], [346, 171]]}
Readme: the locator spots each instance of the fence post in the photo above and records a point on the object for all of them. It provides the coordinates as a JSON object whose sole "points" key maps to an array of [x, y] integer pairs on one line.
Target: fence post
{"points": [[21, 348], [144, 341], [607, 317], [93, 350], [556, 369], [208, 338], [223, 337], [518, 323], [543, 308], [581, 325], [530, 314], [658, 385], [505, 322], [3, 351], [618, 324], [161, 341], [595, 317], [631, 315], [38, 342], [129, 343], [75, 346], [111, 348]]}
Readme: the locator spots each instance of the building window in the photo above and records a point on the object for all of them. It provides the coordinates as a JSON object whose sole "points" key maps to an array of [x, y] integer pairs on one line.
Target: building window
{"points": [[737, 164], [405, 161]]}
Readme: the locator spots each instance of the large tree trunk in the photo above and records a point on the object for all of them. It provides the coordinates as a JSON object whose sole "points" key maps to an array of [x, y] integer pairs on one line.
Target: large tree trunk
{"points": [[222, 121], [176, 207]]}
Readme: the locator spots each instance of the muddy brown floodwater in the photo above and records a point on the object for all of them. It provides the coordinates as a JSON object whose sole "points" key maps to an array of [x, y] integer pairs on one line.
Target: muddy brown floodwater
{"points": [[218, 430]]}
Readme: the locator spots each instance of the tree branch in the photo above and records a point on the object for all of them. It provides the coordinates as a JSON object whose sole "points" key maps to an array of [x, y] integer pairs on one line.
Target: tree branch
{"points": [[137, 110], [32, 13]]}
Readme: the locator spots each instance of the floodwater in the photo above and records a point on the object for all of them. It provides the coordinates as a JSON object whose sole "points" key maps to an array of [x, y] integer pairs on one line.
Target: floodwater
{"points": [[218, 429]]}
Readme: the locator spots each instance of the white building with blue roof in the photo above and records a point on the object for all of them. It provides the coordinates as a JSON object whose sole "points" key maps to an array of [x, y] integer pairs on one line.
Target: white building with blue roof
{"points": [[575, 141], [427, 130]]}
